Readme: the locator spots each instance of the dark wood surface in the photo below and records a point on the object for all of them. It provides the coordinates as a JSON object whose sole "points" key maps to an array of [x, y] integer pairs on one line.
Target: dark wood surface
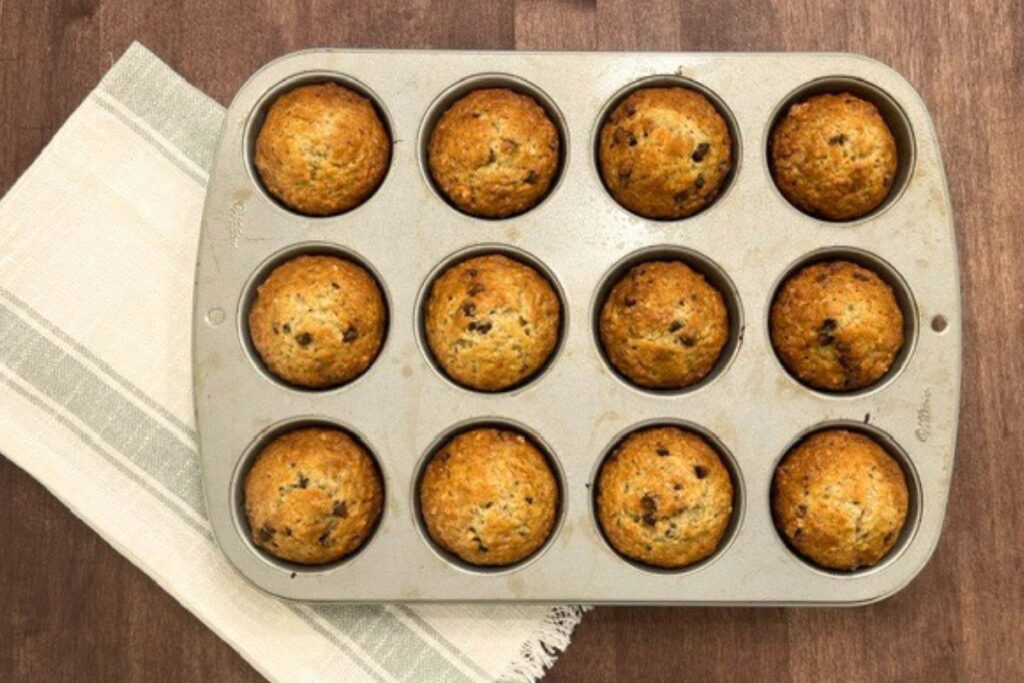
{"points": [[73, 609]]}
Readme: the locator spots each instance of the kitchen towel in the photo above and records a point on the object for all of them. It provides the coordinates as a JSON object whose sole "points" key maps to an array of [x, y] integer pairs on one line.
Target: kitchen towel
{"points": [[97, 250]]}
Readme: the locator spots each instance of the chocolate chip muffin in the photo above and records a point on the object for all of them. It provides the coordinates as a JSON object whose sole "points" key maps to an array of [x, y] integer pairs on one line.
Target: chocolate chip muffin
{"points": [[313, 496], [665, 152], [318, 321], [837, 326], [664, 498], [322, 149], [833, 156], [492, 322], [663, 325], [494, 153], [489, 496], [840, 500]]}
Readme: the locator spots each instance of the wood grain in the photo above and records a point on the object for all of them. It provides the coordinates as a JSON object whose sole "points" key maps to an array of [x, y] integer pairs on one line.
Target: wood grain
{"points": [[73, 609]]}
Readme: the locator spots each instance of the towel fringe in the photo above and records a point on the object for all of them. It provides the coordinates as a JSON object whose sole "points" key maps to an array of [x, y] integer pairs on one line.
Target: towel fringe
{"points": [[541, 649]]}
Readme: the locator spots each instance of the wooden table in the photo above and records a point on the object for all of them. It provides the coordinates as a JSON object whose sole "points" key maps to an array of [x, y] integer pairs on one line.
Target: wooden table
{"points": [[73, 609]]}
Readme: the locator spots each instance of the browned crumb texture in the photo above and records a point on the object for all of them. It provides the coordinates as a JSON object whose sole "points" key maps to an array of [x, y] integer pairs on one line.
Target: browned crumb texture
{"points": [[664, 498], [492, 322], [663, 326], [489, 496], [834, 156], [494, 153], [312, 496], [837, 326], [322, 149], [318, 321], [840, 500], [665, 152]]}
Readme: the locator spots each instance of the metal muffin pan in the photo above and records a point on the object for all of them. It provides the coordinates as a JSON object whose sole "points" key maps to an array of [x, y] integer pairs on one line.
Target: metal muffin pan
{"points": [[578, 407]]}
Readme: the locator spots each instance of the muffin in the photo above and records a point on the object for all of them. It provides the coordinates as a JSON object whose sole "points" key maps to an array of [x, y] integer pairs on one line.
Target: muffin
{"points": [[665, 152], [492, 322], [312, 496], [494, 153], [836, 326], [840, 500], [318, 321], [664, 498], [833, 156], [663, 326], [322, 149], [489, 496]]}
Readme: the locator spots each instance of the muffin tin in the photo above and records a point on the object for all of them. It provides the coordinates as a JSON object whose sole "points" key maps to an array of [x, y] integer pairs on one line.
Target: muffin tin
{"points": [[577, 408]]}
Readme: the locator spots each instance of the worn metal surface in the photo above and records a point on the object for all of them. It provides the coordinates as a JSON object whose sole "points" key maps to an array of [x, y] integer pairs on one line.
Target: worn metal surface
{"points": [[753, 408]]}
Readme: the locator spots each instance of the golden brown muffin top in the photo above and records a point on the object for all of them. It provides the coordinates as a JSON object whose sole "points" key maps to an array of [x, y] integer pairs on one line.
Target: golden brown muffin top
{"points": [[663, 325], [834, 156], [665, 152], [836, 325], [490, 497], [322, 149], [318, 321], [492, 322], [840, 499], [494, 153], [664, 497], [312, 496]]}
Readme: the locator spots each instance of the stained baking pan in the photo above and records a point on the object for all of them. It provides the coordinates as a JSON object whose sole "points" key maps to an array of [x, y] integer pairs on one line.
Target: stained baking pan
{"points": [[750, 408]]}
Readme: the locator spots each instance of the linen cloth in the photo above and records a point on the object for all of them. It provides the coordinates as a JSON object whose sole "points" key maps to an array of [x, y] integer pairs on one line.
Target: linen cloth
{"points": [[97, 251]]}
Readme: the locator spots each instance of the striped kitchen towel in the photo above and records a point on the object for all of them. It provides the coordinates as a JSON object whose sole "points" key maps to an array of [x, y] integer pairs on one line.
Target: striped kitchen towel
{"points": [[97, 250]]}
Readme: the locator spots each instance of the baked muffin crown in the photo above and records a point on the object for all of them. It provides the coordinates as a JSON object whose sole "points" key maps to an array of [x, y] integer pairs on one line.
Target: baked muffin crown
{"points": [[665, 152], [664, 497], [312, 496], [494, 153], [322, 149], [492, 322], [834, 156], [840, 499], [318, 321], [663, 325], [489, 496], [837, 325]]}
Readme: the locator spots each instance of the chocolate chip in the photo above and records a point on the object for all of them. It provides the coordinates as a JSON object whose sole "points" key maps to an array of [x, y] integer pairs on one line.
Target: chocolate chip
{"points": [[675, 326], [632, 140], [529, 500], [630, 302], [700, 471], [681, 195], [799, 533], [837, 139], [531, 178], [699, 183], [701, 152], [276, 330], [650, 505], [303, 481], [888, 537], [266, 533], [335, 285], [480, 328], [340, 509], [324, 537], [287, 531], [472, 272], [469, 310], [476, 288], [801, 510], [861, 277], [687, 341], [287, 328], [304, 339], [826, 333], [351, 334], [661, 450]]}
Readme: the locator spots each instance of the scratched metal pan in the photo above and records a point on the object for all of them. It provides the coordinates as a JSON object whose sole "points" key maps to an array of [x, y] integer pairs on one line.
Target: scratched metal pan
{"points": [[750, 408]]}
